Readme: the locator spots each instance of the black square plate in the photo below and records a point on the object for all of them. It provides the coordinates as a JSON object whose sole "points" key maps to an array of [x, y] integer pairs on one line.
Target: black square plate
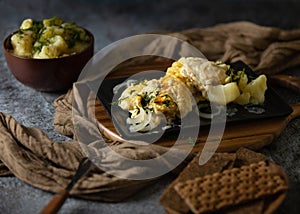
{"points": [[274, 106]]}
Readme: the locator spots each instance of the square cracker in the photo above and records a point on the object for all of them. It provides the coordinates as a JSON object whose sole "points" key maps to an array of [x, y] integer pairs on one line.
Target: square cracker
{"points": [[232, 187], [172, 201]]}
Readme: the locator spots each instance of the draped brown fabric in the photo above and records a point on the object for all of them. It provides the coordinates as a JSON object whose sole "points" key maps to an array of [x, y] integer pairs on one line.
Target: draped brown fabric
{"points": [[34, 158], [265, 49], [31, 156]]}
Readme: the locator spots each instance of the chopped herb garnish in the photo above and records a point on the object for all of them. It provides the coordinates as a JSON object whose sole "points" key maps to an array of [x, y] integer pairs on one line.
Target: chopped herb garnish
{"points": [[62, 38]]}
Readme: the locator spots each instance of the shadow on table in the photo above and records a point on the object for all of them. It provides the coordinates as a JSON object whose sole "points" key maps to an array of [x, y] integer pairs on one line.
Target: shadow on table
{"points": [[291, 204]]}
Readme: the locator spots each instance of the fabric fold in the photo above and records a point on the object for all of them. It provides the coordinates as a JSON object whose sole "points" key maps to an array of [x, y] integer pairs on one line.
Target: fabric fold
{"points": [[265, 49], [37, 160]]}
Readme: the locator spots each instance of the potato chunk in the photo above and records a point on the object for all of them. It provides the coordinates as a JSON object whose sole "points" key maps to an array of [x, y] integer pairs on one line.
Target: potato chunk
{"points": [[22, 43], [223, 94], [56, 47], [254, 92], [26, 24]]}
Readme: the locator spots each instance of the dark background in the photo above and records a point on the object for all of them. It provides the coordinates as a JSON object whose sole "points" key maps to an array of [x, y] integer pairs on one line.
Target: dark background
{"points": [[110, 20]]}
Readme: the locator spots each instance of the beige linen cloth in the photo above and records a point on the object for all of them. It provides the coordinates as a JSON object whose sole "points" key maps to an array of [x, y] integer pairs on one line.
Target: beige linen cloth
{"points": [[30, 155]]}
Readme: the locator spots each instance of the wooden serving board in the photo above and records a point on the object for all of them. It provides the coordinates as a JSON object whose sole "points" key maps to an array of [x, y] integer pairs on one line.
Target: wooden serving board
{"points": [[251, 134]]}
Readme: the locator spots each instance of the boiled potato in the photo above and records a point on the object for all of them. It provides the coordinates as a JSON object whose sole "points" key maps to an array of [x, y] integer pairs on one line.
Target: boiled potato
{"points": [[22, 44], [254, 92], [56, 47], [223, 94], [26, 24], [257, 89], [243, 99]]}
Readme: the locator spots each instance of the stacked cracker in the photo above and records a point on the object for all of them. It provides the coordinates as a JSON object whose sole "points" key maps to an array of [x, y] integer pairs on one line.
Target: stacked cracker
{"points": [[241, 182]]}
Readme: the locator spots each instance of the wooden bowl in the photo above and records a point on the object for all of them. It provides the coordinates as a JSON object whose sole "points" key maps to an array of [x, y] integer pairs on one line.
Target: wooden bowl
{"points": [[48, 75]]}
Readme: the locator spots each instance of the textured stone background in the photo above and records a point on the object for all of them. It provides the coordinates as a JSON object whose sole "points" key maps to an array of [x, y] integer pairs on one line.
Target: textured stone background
{"points": [[113, 20]]}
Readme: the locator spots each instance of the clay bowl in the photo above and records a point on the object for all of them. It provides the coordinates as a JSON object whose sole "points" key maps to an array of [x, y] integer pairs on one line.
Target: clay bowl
{"points": [[47, 75]]}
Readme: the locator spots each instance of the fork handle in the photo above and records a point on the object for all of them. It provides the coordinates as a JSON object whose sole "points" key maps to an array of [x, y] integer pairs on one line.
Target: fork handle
{"points": [[56, 203]]}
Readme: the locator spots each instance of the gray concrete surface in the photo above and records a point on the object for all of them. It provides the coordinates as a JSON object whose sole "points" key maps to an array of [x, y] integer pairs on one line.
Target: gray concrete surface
{"points": [[113, 20]]}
